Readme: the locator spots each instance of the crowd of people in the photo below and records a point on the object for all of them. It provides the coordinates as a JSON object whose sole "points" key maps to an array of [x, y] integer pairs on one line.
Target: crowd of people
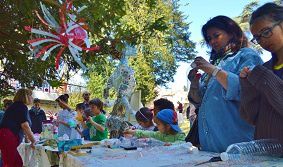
{"points": [[238, 98]]}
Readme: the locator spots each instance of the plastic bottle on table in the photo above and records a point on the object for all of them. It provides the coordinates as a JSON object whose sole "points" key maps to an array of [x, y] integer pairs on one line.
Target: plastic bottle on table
{"points": [[254, 150]]}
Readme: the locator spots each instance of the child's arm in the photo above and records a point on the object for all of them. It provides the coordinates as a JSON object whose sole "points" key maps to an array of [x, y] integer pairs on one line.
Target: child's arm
{"points": [[129, 132], [63, 123], [96, 125], [142, 133], [64, 104]]}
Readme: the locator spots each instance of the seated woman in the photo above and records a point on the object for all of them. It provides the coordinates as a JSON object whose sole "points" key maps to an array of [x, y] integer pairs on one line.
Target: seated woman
{"points": [[144, 118], [167, 123], [262, 86], [96, 124]]}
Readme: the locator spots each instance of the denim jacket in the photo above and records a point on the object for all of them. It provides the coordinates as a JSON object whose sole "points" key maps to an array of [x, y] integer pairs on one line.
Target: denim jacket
{"points": [[219, 119]]}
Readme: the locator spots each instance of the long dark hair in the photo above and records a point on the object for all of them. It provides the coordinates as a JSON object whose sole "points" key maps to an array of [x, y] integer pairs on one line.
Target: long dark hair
{"points": [[268, 10], [238, 40], [64, 98]]}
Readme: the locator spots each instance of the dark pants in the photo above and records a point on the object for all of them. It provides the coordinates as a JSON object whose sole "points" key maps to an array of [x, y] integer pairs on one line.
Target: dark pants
{"points": [[8, 146]]}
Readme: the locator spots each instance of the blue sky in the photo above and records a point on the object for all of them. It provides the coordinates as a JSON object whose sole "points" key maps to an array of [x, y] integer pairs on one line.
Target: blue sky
{"points": [[198, 12]]}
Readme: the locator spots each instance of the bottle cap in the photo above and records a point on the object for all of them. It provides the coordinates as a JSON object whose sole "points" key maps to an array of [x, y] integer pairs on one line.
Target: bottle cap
{"points": [[224, 156]]}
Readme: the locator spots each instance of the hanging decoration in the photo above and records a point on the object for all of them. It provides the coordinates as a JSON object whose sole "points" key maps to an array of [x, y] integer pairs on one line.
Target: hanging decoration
{"points": [[70, 33]]}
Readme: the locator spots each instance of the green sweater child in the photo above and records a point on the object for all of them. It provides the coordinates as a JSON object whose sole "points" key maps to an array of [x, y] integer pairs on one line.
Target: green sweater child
{"points": [[96, 124], [167, 123]]}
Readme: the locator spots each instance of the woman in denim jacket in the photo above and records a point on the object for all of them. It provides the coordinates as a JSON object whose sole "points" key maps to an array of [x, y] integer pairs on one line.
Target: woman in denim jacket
{"points": [[218, 89]]}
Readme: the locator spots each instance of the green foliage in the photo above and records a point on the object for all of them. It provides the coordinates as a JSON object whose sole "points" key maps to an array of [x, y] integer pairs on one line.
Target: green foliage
{"points": [[158, 30], [144, 78], [98, 74], [244, 18], [15, 59], [156, 27], [75, 98], [183, 47]]}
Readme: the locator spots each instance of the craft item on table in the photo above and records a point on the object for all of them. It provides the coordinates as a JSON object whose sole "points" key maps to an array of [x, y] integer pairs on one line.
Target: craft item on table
{"points": [[79, 152], [52, 115], [193, 150], [66, 145], [129, 147], [64, 137], [36, 136], [148, 142], [140, 142], [123, 81], [116, 126], [47, 131], [49, 142], [72, 123], [111, 143], [184, 146], [85, 146], [70, 33], [127, 142]]}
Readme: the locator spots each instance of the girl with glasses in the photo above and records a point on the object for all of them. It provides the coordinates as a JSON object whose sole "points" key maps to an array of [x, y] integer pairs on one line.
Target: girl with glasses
{"points": [[262, 86]]}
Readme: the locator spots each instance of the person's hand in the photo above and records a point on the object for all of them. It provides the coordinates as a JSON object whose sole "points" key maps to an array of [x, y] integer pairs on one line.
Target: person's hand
{"points": [[245, 72], [32, 145], [129, 132], [192, 74], [26, 139], [167, 144], [204, 65], [85, 118], [89, 118]]}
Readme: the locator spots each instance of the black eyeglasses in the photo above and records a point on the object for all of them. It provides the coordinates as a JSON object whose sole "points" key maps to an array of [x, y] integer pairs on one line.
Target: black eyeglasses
{"points": [[267, 33]]}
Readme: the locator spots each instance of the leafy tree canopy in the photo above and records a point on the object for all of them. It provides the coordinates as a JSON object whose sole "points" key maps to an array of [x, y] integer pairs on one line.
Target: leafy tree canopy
{"points": [[156, 27]]}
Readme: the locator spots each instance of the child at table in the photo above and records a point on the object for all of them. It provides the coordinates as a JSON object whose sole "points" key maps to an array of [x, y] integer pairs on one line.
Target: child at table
{"points": [[97, 123], [81, 118], [66, 119], [144, 118], [167, 124]]}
